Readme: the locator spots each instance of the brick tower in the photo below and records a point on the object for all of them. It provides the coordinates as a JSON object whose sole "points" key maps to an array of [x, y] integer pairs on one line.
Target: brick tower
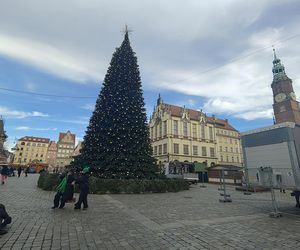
{"points": [[285, 106]]}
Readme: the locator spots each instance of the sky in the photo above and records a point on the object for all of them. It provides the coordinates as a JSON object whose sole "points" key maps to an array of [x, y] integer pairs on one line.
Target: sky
{"points": [[211, 55]]}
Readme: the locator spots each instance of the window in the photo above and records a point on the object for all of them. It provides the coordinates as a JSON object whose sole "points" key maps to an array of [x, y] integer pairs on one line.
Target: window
{"points": [[220, 148], [222, 158], [20, 154], [165, 128], [204, 153], [232, 159], [202, 131], [212, 152], [33, 144], [159, 149], [231, 149], [211, 133], [186, 149], [155, 150], [195, 150], [236, 150], [227, 158], [194, 130], [42, 155], [226, 149], [237, 159], [185, 129], [160, 129], [235, 141], [22, 148], [28, 144], [165, 148], [176, 148], [230, 141], [175, 127], [22, 143]]}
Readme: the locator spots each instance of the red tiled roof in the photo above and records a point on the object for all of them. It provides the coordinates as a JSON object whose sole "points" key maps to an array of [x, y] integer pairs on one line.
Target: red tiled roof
{"points": [[35, 139], [195, 115], [62, 135]]}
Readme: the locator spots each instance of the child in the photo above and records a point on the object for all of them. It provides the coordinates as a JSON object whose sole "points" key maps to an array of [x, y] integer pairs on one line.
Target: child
{"points": [[83, 183], [4, 219]]}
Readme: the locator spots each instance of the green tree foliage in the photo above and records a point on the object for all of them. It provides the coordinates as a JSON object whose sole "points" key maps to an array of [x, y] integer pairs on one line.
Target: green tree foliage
{"points": [[117, 144]]}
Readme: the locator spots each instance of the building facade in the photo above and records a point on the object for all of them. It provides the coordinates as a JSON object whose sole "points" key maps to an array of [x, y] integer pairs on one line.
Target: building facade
{"points": [[65, 148], [31, 149], [182, 134], [51, 154], [286, 107]]}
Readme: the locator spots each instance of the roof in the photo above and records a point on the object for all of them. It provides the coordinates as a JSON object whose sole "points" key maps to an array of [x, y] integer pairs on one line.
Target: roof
{"points": [[226, 168], [35, 139], [62, 135], [195, 115]]}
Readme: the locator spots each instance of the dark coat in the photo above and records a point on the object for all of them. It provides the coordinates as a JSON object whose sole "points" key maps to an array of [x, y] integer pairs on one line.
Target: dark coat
{"points": [[83, 183], [69, 192], [5, 171]]}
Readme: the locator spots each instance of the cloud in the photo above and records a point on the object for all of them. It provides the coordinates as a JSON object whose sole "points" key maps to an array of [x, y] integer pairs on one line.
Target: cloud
{"points": [[88, 106], [6, 112], [218, 51], [25, 128], [47, 58]]}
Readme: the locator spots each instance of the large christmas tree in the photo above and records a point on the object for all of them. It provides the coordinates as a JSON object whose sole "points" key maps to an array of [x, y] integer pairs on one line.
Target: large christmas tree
{"points": [[117, 144]]}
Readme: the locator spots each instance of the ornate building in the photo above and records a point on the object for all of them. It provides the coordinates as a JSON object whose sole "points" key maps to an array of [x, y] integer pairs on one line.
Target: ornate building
{"points": [[31, 149], [65, 148], [182, 134], [3, 137], [51, 154], [286, 107]]}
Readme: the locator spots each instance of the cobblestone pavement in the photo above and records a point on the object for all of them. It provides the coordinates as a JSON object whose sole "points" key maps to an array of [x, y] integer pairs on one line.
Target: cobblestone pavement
{"points": [[193, 219]]}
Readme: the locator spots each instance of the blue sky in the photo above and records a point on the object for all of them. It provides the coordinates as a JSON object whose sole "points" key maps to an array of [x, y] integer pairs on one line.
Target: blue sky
{"points": [[221, 65]]}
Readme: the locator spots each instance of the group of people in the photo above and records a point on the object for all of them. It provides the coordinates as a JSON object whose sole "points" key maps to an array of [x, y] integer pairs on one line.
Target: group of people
{"points": [[65, 189], [6, 172]]}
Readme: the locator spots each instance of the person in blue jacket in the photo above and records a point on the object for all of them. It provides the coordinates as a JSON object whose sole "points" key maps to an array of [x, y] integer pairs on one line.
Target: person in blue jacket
{"points": [[83, 184]]}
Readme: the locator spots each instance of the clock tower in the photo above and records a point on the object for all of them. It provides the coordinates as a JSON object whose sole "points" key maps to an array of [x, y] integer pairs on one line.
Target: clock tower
{"points": [[286, 108]]}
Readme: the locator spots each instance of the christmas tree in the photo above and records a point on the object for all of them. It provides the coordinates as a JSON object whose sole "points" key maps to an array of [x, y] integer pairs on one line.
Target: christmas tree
{"points": [[117, 143]]}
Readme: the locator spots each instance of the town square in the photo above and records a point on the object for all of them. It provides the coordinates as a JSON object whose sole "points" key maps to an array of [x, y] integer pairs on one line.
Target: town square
{"points": [[166, 125]]}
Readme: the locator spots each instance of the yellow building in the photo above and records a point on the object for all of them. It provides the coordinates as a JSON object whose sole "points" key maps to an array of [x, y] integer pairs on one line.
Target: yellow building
{"points": [[182, 134], [31, 150]]}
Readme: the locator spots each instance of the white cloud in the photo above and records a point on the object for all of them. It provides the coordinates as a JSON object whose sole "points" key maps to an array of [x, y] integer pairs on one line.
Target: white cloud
{"points": [[25, 128], [48, 58], [89, 106], [6, 112]]}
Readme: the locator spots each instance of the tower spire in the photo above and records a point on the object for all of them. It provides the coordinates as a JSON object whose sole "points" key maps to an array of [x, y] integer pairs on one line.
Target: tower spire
{"points": [[278, 69]]}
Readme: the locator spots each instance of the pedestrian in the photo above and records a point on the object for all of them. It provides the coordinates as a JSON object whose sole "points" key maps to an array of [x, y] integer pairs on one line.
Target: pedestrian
{"points": [[4, 174], [296, 193], [19, 171], [83, 184], [26, 171], [65, 190], [4, 219]]}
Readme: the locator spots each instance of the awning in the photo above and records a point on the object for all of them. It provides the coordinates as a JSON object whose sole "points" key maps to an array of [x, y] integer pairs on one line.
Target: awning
{"points": [[200, 167]]}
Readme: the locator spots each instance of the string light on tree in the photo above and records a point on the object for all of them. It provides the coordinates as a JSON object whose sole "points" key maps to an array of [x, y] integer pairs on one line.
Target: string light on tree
{"points": [[117, 144]]}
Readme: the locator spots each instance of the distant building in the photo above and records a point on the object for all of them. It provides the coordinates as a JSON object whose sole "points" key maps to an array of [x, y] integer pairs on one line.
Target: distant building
{"points": [[3, 137], [77, 149], [182, 134], [31, 149], [285, 105], [51, 154], [65, 149]]}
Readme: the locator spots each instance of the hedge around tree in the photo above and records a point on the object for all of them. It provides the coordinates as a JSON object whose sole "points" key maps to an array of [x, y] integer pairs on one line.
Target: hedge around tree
{"points": [[49, 181]]}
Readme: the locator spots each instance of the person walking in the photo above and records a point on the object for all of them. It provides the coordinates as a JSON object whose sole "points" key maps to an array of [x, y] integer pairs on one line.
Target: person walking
{"points": [[26, 171], [4, 219], [19, 171], [65, 190], [4, 174], [83, 184]]}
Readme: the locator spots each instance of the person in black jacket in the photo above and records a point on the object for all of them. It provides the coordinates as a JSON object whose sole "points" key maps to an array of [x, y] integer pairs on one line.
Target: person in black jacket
{"points": [[4, 219], [4, 174], [83, 184]]}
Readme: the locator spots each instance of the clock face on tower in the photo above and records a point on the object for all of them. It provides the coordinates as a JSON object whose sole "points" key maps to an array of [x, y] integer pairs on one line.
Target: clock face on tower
{"points": [[293, 96], [280, 97]]}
